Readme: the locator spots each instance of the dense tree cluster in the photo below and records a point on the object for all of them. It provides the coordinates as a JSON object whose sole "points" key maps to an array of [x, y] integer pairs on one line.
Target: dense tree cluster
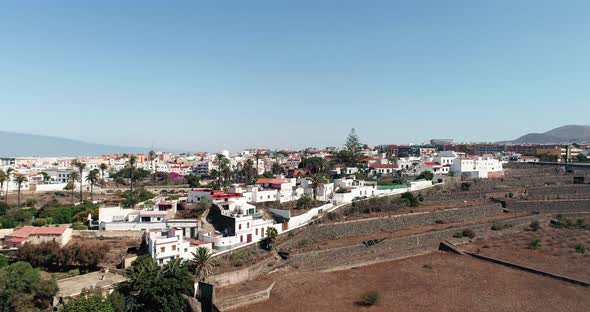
{"points": [[49, 255], [23, 289]]}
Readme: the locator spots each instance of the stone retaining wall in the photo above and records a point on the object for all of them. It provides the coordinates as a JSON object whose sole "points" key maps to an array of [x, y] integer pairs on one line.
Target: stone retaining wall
{"points": [[393, 223], [247, 299], [391, 248], [89, 234], [552, 206]]}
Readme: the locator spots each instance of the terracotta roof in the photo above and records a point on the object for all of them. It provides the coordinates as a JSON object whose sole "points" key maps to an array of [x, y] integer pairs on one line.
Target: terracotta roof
{"points": [[270, 181], [16, 240], [431, 164], [199, 242], [27, 231]]}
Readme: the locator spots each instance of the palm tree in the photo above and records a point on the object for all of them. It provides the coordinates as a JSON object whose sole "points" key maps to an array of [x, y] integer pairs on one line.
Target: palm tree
{"points": [[103, 167], [74, 176], [215, 175], [8, 173], [131, 164], [80, 166], [19, 181], [152, 156], [92, 179], [271, 237], [202, 264], [2, 180], [317, 180]]}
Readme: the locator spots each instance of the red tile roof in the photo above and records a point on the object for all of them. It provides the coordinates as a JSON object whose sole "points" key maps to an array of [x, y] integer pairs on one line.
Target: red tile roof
{"points": [[199, 242], [16, 240], [27, 231], [431, 164]]}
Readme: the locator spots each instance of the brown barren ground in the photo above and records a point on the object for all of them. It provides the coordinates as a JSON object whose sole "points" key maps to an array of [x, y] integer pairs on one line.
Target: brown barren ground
{"points": [[454, 283], [556, 255]]}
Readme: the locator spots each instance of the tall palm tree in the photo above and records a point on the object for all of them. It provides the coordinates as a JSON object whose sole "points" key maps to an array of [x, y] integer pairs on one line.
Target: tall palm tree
{"points": [[19, 181], [152, 156], [74, 176], [202, 264], [103, 167], [216, 176], [8, 173], [2, 180], [92, 179], [131, 165], [80, 166]]}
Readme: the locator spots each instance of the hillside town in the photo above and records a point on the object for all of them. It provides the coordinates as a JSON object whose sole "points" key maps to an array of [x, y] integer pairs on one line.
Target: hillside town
{"points": [[210, 205]]}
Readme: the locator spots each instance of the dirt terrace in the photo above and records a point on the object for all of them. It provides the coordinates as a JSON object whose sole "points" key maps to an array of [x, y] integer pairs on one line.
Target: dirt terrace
{"points": [[454, 283], [556, 255]]}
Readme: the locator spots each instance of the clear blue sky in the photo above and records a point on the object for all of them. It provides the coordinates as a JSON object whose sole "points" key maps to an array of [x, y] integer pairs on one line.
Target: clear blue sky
{"points": [[207, 75]]}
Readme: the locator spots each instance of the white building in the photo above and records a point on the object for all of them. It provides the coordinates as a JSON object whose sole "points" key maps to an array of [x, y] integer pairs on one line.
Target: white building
{"points": [[477, 167], [172, 244]]}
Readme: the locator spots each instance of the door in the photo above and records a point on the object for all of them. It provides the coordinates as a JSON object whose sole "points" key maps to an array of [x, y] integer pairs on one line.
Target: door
{"points": [[249, 238]]}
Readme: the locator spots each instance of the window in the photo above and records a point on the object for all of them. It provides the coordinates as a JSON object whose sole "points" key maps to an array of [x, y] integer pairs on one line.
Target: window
{"points": [[241, 238], [239, 226], [173, 247], [162, 249], [186, 250], [248, 225], [256, 231]]}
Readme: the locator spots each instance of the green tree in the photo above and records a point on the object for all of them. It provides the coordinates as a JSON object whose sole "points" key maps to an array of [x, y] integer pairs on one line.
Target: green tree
{"points": [[22, 289], [95, 303], [271, 237], [276, 168], [426, 175], [409, 199], [92, 178], [202, 264], [3, 261], [8, 174], [103, 167], [353, 148], [19, 180], [155, 288], [2, 180], [80, 166], [192, 180], [131, 164], [74, 176]]}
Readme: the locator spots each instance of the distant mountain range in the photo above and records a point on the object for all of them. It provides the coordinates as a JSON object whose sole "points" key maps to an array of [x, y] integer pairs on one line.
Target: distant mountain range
{"points": [[561, 135], [21, 145]]}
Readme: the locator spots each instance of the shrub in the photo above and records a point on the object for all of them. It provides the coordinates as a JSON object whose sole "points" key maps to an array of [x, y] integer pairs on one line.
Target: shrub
{"points": [[535, 244], [500, 227], [370, 298], [535, 225], [458, 235], [465, 186], [439, 221], [31, 202], [427, 266], [579, 248], [409, 199], [39, 222], [468, 233], [79, 226]]}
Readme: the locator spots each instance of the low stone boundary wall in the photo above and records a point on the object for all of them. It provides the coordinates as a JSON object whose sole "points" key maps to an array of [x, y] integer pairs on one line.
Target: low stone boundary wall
{"points": [[239, 276], [550, 206], [531, 270], [247, 299], [393, 223], [90, 234], [396, 246]]}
